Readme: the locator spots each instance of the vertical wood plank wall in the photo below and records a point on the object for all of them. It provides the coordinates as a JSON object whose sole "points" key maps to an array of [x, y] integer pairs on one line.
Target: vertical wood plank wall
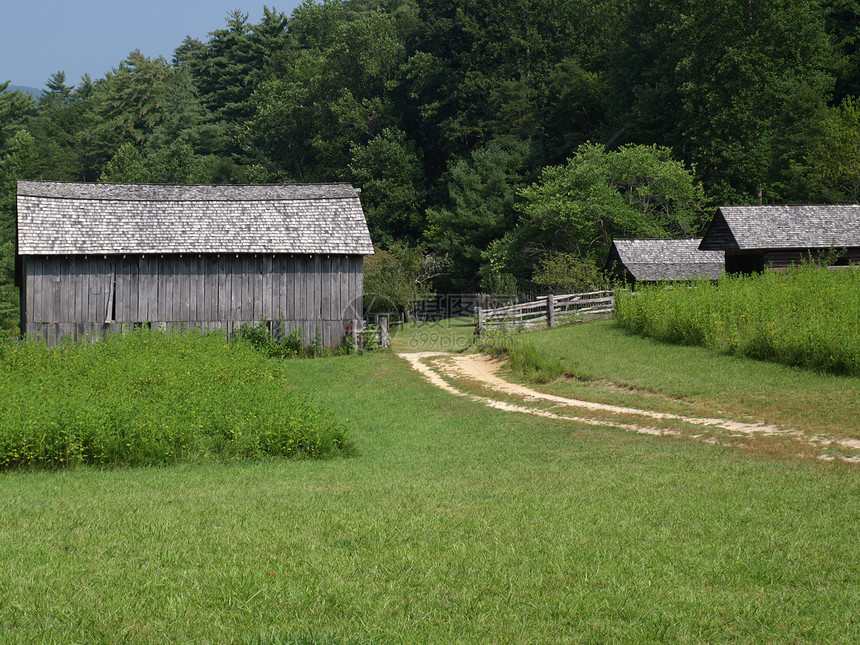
{"points": [[91, 295]]}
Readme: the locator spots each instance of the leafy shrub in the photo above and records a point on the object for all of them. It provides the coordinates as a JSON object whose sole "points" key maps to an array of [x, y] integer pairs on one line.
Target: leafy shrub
{"points": [[290, 345], [347, 346], [270, 343], [154, 398], [257, 335], [370, 338], [569, 273], [317, 349], [806, 316]]}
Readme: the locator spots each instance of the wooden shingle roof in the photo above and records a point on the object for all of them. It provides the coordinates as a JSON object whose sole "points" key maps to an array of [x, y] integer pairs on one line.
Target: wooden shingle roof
{"points": [[75, 219], [655, 260], [783, 227]]}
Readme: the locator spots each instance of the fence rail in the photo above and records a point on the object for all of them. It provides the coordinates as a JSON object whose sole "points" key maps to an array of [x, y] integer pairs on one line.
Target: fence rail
{"points": [[546, 311]]}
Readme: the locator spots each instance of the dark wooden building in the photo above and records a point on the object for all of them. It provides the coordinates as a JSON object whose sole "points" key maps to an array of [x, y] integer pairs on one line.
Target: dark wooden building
{"points": [[660, 260], [99, 257], [754, 237]]}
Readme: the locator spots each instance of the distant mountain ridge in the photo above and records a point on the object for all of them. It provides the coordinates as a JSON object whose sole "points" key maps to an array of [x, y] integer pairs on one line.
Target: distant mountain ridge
{"points": [[32, 91]]}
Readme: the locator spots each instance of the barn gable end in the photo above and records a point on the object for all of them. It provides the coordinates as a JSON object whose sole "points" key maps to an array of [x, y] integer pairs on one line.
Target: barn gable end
{"points": [[99, 257], [719, 236]]}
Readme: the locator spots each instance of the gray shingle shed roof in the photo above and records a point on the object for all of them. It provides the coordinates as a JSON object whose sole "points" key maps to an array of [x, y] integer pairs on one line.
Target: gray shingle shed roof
{"points": [[655, 260], [783, 227], [58, 218]]}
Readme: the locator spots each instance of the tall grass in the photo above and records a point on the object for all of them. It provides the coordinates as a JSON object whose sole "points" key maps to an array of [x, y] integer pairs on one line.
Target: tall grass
{"points": [[153, 398], [807, 317], [534, 365]]}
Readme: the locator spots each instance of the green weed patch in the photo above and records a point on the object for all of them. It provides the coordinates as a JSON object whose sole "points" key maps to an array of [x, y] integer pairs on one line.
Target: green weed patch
{"points": [[806, 317], [534, 365], [153, 398]]}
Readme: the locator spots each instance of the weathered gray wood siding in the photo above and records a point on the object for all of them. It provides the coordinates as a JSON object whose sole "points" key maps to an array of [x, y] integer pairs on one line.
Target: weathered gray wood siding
{"points": [[81, 295]]}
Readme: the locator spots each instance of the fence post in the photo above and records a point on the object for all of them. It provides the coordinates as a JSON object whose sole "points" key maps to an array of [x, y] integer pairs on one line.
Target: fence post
{"points": [[480, 329], [550, 310], [382, 322], [356, 337]]}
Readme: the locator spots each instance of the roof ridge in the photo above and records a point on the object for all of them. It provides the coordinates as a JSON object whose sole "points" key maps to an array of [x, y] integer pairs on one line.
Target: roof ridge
{"points": [[185, 192], [124, 183]]}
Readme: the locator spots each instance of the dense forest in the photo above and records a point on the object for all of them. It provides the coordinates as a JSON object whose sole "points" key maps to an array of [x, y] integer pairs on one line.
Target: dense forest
{"points": [[498, 145]]}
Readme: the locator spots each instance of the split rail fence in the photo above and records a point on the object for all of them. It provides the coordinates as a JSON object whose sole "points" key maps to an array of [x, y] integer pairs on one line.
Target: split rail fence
{"points": [[546, 311]]}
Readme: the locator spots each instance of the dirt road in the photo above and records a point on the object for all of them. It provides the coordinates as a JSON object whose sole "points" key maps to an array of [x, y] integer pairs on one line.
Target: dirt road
{"points": [[477, 376]]}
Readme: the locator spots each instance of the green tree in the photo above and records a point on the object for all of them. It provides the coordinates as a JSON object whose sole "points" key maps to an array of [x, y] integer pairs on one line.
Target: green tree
{"points": [[330, 91], [61, 128], [575, 109], [490, 69], [56, 92], [396, 279], [173, 164], [578, 209], [568, 273], [154, 107], [716, 81], [482, 192], [223, 66], [126, 166], [644, 103], [743, 62], [388, 171], [133, 97], [843, 25], [15, 108], [228, 68], [835, 160], [16, 162]]}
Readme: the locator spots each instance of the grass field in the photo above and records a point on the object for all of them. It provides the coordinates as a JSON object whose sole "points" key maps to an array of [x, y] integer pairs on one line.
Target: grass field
{"points": [[452, 523]]}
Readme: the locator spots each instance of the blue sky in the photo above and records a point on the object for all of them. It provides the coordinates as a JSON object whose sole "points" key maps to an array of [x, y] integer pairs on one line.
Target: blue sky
{"points": [[40, 37]]}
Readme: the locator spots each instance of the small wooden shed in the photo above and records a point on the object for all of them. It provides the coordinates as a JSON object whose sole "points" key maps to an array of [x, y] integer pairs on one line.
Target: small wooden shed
{"points": [[662, 259], [99, 257], [754, 237]]}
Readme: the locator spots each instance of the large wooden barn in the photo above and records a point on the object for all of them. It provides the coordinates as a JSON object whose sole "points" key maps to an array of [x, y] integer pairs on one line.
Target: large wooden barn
{"points": [[93, 258], [755, 237], [662, 259]]}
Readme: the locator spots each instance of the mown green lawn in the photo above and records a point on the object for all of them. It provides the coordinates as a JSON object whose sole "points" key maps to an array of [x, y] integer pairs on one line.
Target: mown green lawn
{"points": [[453, 523], [450, 335]]}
